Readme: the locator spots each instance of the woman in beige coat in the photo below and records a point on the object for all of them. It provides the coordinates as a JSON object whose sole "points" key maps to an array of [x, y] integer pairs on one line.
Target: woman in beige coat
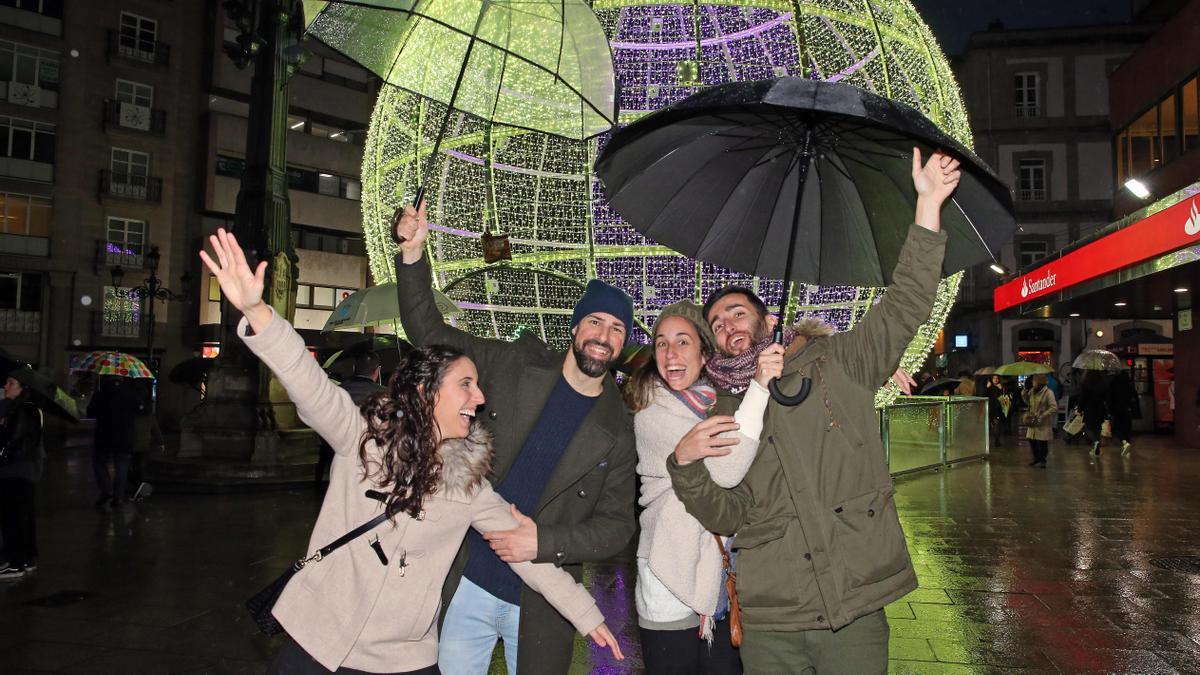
{"points": [[372, 605], [1039, 419]]}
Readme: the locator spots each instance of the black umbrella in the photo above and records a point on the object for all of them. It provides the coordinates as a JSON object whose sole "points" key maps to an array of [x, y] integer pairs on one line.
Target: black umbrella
{"points": [[47, 395], [797, 180], [940, 384]]}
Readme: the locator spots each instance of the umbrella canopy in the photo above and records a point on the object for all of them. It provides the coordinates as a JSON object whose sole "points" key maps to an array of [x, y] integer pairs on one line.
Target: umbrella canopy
{"points": [[378, 305], [388, 348], [542, 65], [1023, 368], [49, 397], [986, 370], [1098, 359], [119, 364], [942, 384], [727, 175]]}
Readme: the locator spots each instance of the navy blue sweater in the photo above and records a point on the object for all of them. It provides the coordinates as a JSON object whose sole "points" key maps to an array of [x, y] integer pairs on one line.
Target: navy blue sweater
{"points": [[526, 479]]}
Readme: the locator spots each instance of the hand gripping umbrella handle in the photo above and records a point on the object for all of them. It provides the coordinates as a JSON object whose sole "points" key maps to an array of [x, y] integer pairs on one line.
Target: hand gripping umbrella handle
{"points": [[773, 386], [416, 205]]}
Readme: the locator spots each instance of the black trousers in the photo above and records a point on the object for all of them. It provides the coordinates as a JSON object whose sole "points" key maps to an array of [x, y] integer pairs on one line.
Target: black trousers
{"points": [[1122, 427], [683, 652], [1040, 449], [18, 525], [293, 660]]}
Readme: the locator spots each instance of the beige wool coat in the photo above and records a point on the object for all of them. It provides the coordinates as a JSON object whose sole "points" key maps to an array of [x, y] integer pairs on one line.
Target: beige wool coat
{"points": [[1043, 410], [350, 609]]}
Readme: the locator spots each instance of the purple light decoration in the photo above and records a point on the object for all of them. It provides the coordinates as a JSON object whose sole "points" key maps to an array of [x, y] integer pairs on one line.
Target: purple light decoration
{"points": [[705, 42]]}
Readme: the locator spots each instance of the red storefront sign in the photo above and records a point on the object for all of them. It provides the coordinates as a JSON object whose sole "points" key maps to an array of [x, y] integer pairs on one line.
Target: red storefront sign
{"points": [[1168, 230]]}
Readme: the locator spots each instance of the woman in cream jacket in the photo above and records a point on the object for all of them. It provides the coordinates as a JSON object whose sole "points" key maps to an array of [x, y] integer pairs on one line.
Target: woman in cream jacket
{"points": [[372, 605]]}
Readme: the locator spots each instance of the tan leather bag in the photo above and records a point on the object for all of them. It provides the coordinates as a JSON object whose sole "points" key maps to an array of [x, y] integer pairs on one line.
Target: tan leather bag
{"points": [[735, 610]]}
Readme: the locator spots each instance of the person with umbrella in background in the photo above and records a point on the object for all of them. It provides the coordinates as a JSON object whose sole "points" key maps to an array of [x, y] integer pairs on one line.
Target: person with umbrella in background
{"points": [[115, 407], [813, 581], [1093, 404], [22, 459], [1122, 408]]}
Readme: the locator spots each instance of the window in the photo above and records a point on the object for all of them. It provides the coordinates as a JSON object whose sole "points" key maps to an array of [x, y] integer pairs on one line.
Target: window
{"points": [[24, 215], [1025, 87], [21, 291], [26, 139], [304, 180], [135, 93], [126, 241], [1190, 109], [130, 173], [138, 37], [28, 65], [1031, 180], [1030, 251], [121, 315], [52, 8]]}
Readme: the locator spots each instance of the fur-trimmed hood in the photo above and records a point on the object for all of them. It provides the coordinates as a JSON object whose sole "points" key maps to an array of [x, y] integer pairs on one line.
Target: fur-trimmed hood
{"points": [[466, 461], [807, 329]]}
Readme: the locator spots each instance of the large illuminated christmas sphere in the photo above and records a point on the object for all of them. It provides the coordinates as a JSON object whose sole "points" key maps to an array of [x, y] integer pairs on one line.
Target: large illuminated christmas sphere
{"points": [[540, 191]]}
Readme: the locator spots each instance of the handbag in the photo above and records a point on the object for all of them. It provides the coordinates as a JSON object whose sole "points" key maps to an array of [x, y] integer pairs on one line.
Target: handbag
{"points": [[1074, 425], [735, 610], [263, 602]]}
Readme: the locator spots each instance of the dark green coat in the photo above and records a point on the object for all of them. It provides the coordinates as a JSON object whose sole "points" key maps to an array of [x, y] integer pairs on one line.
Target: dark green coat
{"points": [[586, 512], [819, 543]]}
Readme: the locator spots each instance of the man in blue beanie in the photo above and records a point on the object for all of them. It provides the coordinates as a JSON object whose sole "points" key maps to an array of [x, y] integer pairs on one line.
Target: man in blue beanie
{"points": [[564, 456]]}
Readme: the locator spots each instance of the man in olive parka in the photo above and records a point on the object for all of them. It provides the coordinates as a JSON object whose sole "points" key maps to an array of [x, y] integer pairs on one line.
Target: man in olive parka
{"points": [[820, 548]]}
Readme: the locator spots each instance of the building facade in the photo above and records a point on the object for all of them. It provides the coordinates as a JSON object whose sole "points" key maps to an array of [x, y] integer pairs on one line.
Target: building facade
{"points": [[1038, 101], [124, 139]]}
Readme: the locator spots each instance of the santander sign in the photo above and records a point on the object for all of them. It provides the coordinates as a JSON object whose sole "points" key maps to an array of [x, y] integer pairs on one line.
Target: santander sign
{"points": [[1172, 228]]}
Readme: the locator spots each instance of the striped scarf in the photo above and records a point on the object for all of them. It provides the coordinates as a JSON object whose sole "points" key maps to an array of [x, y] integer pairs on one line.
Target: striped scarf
{"points": [[698, 398]]}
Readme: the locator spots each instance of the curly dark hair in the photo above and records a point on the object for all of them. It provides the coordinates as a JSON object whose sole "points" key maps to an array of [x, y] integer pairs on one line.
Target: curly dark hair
{"points": [[400, 421]]}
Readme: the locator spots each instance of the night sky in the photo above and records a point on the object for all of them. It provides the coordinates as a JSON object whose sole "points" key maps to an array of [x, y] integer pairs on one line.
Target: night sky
{"points": [[953, 21]]}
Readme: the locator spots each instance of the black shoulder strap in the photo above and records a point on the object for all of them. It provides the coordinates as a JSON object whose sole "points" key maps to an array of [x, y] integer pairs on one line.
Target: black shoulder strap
{"points": [[360, 530]]}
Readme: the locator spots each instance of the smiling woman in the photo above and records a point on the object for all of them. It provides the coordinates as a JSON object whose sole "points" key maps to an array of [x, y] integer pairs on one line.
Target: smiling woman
{"points": [[412, 453]]}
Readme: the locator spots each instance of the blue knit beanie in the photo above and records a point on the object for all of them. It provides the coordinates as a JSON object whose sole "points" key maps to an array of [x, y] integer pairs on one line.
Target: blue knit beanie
{"points": [[602, 297]]}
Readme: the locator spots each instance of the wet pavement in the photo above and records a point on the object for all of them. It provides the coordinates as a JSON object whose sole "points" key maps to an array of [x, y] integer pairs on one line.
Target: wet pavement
{"points": [[1021, 569]]}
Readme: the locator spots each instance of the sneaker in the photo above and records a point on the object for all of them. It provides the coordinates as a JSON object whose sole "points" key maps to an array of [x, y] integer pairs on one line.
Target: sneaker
{"points": [[12, 574], [1096, 448], [1126, 447], [144, 490]]}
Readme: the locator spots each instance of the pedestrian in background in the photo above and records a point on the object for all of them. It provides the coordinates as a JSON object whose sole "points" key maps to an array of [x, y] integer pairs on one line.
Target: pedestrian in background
{"points": [[1040, 413], [115, 406], [1093, 404], [144, 438], [1122, 408], [22, 457]]}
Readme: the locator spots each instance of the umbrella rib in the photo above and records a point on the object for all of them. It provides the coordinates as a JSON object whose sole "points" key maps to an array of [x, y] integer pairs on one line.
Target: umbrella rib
{"points": [[774, 208], [954, 200]]}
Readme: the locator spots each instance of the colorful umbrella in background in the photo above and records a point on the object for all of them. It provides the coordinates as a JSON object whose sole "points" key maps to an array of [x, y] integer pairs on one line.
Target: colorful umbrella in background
{"points": [[1023, 368], [1098, 359], [118, 364]]}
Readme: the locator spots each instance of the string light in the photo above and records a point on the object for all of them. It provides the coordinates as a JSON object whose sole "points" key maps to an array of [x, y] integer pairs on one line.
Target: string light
{"points": [[539, 189]]}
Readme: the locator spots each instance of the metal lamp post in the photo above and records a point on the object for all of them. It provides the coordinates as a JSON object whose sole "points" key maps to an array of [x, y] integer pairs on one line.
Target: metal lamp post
{"points": [[151, 290]]}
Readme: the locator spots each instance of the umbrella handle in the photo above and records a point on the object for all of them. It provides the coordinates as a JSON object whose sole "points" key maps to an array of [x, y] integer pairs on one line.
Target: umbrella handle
{"points": [[416, 205], [773, 386], [789, 401]]}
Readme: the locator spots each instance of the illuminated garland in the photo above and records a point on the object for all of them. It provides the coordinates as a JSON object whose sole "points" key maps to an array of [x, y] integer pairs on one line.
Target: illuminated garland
{"points": [[539, 189]]}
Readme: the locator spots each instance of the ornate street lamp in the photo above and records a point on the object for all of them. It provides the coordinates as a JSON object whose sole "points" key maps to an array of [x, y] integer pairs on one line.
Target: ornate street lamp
{"points": [[150, 290]]}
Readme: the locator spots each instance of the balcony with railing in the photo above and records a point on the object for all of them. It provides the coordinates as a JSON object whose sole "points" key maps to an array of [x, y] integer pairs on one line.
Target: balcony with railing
{"points": [[128, 186], [134, 48], [1031, 195], [122, 115], [112, 254]]}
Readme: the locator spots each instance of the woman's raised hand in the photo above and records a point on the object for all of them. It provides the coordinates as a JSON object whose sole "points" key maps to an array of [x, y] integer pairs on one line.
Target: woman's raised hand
{"points": [[240, 285], [603, 636]]}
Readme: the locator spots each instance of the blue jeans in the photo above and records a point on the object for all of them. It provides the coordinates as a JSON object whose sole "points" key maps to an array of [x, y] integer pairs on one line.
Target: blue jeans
{"points": [[474, 621]]}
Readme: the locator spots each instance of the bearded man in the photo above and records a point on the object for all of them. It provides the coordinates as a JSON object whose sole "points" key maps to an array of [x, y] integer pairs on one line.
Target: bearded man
{"points": [[563, 454], [820, 550]]}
